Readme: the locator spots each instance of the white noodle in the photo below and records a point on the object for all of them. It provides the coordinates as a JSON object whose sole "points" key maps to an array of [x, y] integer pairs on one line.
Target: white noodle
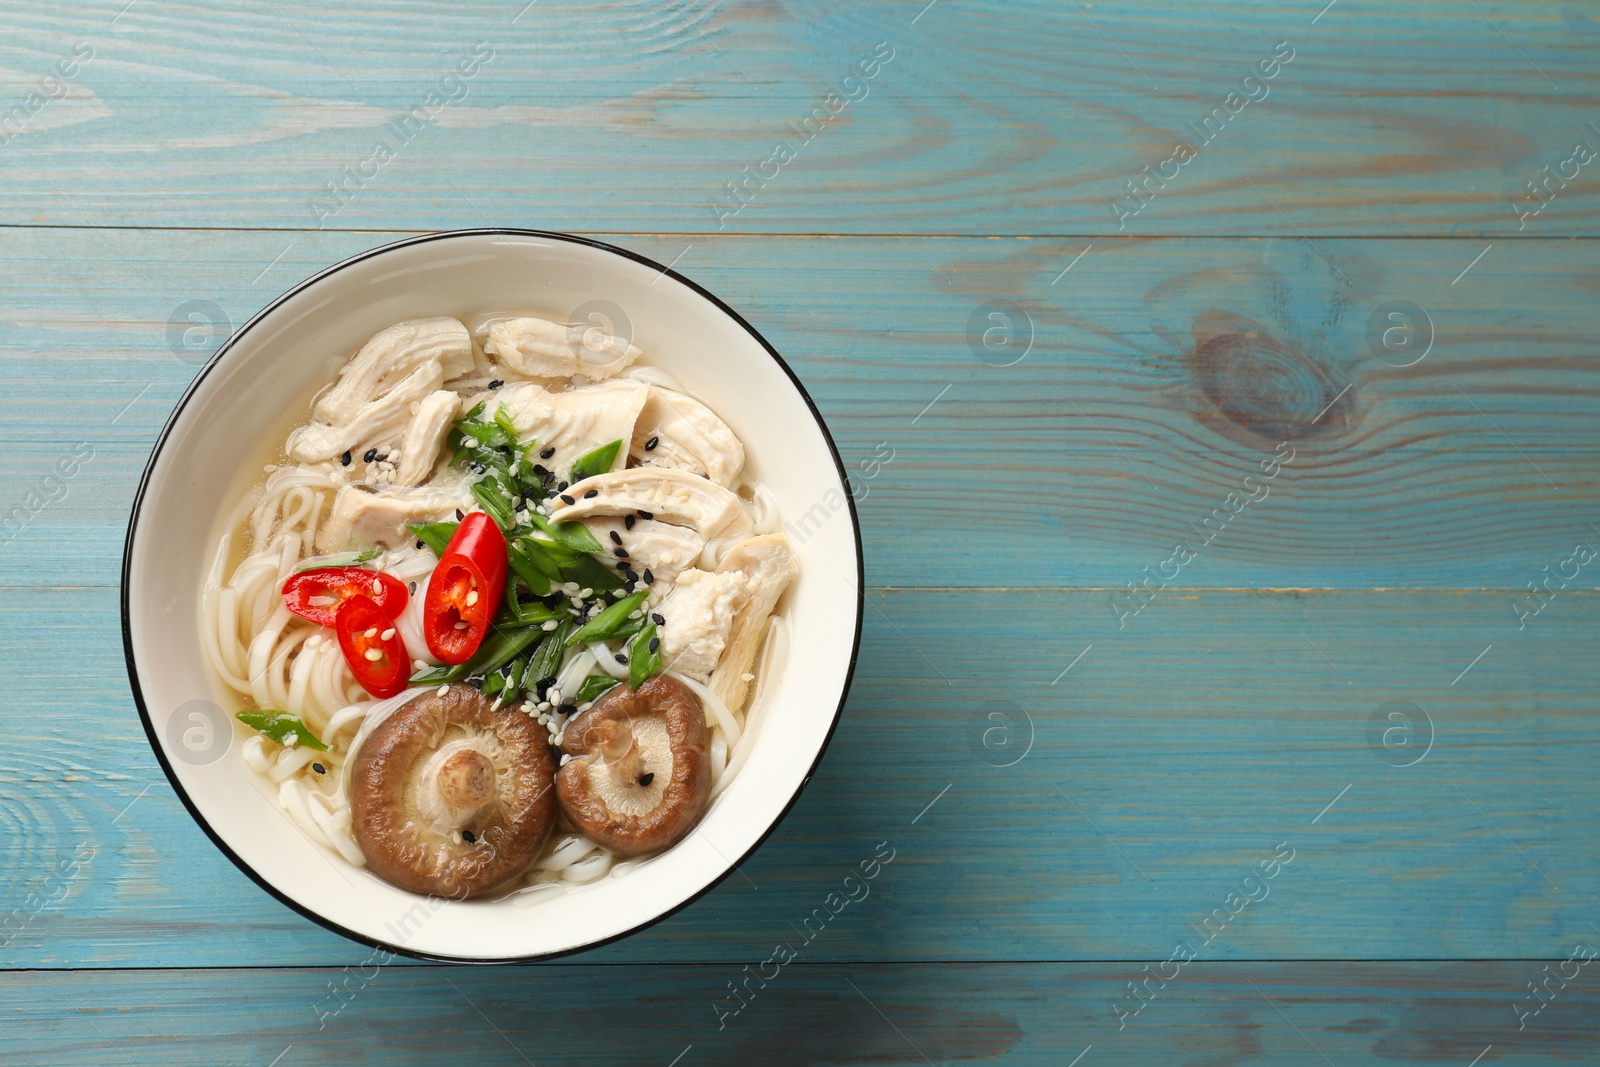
{"points": [[574, 671], [716, 711], [607, 660], [774, 654]]}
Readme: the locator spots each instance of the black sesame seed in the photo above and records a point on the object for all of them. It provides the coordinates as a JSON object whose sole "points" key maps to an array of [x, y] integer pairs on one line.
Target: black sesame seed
{"points": [[546, 453], [468, 836], [562, 488], [497, 383], [319, 768], [624, 565], [655, 644], [372, 454], [621, 553], [538, 468], [629, 585], [567, 709], [476, 467], [616, 538], [622, 658], [647, 515], [422, 544], [567, 499], [628, 521], [647, 777], [459, 515], [413, 586], [650, 445], [591, 494], [344, 460], [649, 579], [658, 618]]}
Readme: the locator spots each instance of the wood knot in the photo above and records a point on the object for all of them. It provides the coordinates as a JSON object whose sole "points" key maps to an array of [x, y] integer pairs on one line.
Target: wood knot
{"points": [[1270, 391]]}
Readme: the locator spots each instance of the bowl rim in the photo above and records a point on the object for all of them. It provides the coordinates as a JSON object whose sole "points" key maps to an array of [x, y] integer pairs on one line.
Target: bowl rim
{"points": [[134, 515]]}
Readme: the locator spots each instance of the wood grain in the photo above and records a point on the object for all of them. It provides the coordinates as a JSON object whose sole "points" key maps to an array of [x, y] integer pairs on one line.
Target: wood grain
{"points": [[1418, 119], [1293, 1013], [1107, 811], [1083, 746], [1161, 374]]}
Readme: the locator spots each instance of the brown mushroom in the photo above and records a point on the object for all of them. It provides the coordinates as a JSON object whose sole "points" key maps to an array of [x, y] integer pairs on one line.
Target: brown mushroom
{"points": [[449, 797], [640, 776]]}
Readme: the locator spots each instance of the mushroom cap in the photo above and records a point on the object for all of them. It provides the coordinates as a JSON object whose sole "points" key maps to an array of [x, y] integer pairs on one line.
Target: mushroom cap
{"points": [[444, 766], [640, 777]]}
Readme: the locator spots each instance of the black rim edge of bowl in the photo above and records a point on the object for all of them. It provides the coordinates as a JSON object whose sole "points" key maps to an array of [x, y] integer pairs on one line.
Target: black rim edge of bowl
{"points": [[161, 440]]}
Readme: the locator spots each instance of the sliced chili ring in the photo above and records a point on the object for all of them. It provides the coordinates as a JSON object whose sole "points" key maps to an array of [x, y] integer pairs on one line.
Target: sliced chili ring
{"points": [[372, 647], [318, 594], [465, 590]]}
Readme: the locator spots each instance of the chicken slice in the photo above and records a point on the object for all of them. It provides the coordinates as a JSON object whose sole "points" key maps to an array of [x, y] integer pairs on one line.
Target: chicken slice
{"points": [[543, 349], [767, 566], [573, 421], [419, 448], [668, 495], [363, 516], [376, 421], [389, 358], [676, 430], [699, 614], [665, 550]]}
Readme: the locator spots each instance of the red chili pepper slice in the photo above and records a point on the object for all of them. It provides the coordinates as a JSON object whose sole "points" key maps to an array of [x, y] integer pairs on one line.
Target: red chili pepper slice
{"points": [[318, 594], [364, 630], [465, 590]]}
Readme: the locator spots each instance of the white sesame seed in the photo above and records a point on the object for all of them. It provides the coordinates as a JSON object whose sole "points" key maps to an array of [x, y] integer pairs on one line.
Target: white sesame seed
{"points": [[370, 634], [462, 625], [586, 593], [551, 625], [387, 635], [420, 665], [470, 442], [555, 695], [472, 598], [373, 655], [497, 702], [443, 689], [377, 586], [565, 758], [270, 467], [747, 677]]}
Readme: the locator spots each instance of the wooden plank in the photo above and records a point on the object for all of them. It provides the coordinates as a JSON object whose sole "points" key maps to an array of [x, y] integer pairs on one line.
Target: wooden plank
{"points": [[1426, 118], [1115, 805], [1162, 373], [1294, 1013]]}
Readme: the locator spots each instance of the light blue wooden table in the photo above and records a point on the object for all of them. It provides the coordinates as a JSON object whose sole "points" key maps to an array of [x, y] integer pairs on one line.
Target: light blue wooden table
{"points": [[1309, 291]]}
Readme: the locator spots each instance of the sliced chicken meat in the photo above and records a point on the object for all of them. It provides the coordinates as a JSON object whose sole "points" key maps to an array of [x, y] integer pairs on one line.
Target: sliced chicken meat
{"points": [[419, 448], [667, 495], [700, 615], [365, 516], [663, 549], [573, 421], [375, 422], [389, 358], [676, 430], [767, 566], [539, 348]]}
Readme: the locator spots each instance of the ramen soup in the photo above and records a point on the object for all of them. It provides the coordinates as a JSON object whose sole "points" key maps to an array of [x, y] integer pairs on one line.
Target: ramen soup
{"points": [[496, 614]]}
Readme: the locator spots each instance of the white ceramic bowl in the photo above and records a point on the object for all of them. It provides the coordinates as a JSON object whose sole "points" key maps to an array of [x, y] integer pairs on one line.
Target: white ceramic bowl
{"points": [[299, 341]]}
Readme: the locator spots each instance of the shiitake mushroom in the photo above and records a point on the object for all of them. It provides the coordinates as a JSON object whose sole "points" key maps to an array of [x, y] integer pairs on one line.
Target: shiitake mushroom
{"points": [[640, 777], [450, 798]]}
